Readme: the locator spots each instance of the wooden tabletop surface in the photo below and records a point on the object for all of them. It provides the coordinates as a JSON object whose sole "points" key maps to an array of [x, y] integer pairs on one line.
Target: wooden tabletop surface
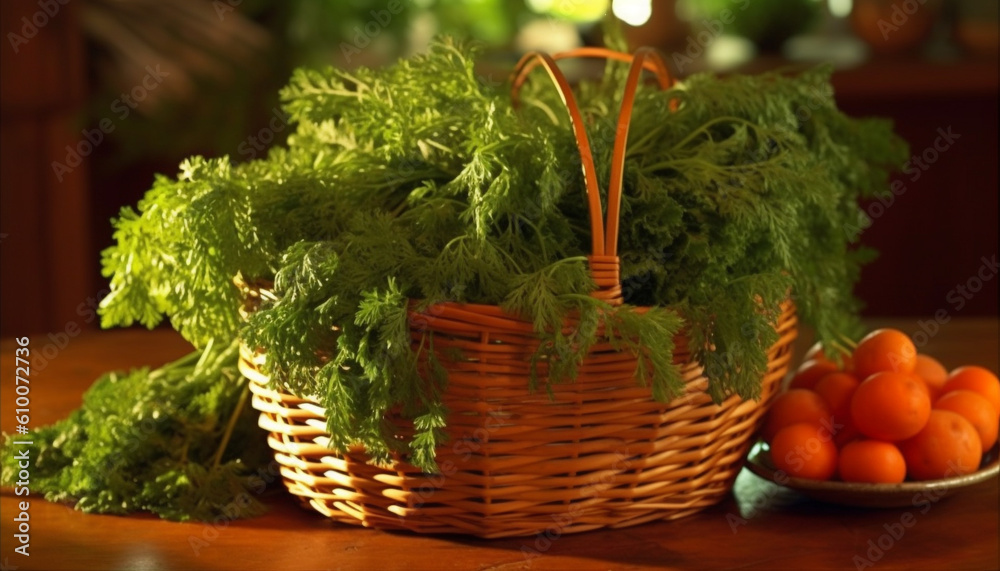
{"points": [[759, 526]]}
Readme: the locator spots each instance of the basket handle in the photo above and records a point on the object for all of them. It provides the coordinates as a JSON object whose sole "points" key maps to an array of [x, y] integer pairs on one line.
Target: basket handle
{"points": [[641, 57], [604, 263]]}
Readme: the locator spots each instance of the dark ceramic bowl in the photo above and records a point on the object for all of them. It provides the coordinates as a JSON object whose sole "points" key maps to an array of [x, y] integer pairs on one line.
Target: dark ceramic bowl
{"points": [[872, 495]]}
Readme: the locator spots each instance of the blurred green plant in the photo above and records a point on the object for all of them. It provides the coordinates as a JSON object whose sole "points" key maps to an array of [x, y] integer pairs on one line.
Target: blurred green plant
{"points": [[767, 23], [216, 59], [228, 58]]}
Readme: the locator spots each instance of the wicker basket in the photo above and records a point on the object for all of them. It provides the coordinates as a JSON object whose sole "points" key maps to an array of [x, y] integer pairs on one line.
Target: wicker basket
{"points": [[594, 452]]}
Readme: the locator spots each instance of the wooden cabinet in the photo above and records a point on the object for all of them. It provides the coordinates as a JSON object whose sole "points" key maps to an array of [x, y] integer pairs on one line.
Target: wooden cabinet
{"points": [[44, 222], [938, 238]]}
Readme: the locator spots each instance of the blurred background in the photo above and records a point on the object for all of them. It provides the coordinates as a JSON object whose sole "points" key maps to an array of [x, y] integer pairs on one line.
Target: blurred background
{"points": [[99, 95]]}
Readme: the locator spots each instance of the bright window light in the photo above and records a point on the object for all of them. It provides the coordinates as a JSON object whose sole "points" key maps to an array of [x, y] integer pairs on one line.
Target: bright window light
{"points": [[633, 12], [840, 8], [572, 10], [540, 6]]}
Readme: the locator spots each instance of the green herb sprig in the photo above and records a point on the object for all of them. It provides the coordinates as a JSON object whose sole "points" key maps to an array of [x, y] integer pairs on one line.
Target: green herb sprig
{"points": [[180, 441]]}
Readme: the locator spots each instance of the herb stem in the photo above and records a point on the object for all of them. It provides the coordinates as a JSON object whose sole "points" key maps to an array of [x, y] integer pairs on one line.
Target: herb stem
{"points": [[217, 459], [544, 108], [704, 129]]}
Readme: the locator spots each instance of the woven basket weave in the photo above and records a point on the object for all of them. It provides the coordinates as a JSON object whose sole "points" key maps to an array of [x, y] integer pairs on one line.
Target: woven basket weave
{"points": [[594, 452]]}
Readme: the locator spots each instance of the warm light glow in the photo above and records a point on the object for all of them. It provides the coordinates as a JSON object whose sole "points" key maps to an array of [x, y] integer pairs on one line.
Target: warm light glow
{"points": [[540, 6], [727, 52], [840, 8], [632, 12], [547, 35], [572, 10]]}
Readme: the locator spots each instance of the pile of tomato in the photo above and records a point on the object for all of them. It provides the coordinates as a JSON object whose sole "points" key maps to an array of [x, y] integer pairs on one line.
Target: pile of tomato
{"points": [[882, 413]]}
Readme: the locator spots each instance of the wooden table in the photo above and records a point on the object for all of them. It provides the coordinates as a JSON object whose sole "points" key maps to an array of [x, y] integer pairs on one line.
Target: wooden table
{"points": [[760, 526]]}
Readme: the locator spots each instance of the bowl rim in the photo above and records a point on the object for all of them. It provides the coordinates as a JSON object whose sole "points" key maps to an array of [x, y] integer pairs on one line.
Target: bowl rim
{"points": [[759, 462]]}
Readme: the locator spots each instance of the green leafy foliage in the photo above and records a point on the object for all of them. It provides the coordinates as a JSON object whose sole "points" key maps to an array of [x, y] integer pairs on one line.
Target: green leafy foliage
{"points": [[421, 183], [180, 441]]}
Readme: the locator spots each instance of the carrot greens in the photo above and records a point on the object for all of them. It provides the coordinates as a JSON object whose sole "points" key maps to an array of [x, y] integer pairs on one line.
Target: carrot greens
{"points": [[421, 183]]}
